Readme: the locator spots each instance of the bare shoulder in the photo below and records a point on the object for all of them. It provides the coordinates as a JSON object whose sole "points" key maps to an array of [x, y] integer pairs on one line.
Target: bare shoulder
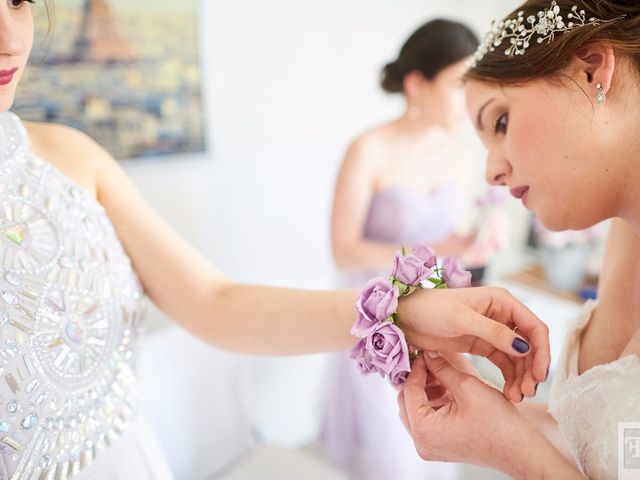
{"points": [[71, 151], [369, 149]]}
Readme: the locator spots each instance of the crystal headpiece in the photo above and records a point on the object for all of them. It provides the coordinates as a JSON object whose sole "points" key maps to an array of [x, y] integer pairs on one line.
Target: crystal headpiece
{"points": [[518, 33]]}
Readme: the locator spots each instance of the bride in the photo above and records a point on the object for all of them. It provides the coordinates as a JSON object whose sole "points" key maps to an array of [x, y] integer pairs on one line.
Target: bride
{"points": [[79, 248], [560, 119]]}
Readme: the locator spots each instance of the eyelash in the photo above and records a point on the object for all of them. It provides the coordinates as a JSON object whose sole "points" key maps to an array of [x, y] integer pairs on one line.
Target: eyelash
{"points": [[501, 128], [20, 3]]}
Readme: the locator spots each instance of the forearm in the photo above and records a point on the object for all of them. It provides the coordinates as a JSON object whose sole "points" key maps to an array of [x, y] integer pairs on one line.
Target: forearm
{"points": [[277, 321], [190, 290], [537, 414], [535, 458], [248, 319]]}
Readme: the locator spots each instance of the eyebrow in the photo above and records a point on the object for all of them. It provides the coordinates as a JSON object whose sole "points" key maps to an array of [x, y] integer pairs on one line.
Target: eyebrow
{"points": [[479, 118]]}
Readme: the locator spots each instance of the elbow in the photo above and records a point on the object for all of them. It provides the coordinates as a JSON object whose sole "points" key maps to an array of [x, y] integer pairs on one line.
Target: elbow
{"points": [[343, 255]]}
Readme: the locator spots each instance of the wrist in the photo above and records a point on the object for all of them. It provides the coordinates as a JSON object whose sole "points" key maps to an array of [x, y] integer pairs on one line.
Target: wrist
{"points": [[382, 346], [532, 456], [409, 312]]}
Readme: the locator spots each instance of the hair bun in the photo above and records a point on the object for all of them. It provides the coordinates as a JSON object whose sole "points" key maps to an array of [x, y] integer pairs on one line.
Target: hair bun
{"points": [[392, 78]]}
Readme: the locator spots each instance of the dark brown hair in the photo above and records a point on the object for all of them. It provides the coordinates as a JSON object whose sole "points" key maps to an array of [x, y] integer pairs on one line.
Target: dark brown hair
{"points": [[435, 46], [620, 28]]}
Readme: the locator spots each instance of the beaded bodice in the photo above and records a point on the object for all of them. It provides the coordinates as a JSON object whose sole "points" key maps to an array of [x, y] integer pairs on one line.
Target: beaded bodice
{"points": [[70, 315]]}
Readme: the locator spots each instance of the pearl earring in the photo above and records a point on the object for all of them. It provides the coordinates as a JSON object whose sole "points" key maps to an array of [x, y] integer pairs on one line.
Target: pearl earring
{"points": [[600, 97]]}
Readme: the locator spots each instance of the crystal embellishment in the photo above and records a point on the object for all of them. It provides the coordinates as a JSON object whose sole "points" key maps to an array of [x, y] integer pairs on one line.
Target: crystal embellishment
{"points": [[29, 421], [515, 35], [73, 310], [15, 234]]}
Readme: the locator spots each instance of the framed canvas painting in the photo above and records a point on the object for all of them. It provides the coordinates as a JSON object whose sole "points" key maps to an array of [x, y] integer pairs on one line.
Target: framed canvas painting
{"points": [[125, 72]]}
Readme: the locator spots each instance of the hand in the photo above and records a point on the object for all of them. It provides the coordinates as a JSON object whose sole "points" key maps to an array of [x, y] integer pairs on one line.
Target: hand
{"points": [[436, 392], [480, 321], [477, 425]]}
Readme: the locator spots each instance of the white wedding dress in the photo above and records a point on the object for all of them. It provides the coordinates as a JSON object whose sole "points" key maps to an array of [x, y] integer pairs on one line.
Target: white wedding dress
{"points": [[588, 407], [71, 321]]}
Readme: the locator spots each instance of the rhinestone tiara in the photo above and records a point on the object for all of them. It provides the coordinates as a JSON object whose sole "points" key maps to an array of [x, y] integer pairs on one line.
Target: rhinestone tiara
{"points": [[518, 33]]}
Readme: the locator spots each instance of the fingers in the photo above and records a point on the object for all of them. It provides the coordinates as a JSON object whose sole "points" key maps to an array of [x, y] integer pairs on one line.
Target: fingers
{"points": [[531, 327], [416, 401], [529, 382], [507, 365], [461, 362], [497, 334], [515, 393], [403, 412], [449, 377]]}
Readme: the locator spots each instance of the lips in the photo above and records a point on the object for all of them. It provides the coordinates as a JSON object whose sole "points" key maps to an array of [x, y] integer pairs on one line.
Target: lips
{"points": [[6, 76], [519, 192]]}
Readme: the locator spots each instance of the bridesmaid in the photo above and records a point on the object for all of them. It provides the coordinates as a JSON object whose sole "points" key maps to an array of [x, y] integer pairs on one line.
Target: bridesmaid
{"points": [[400, 183]]}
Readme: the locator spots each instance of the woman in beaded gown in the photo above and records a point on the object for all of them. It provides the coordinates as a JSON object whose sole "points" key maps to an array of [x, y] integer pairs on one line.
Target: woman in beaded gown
{"points": [[554, 94], [79, 250]]}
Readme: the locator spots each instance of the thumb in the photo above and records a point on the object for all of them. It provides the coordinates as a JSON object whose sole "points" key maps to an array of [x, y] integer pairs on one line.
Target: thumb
{"points": [[449, 376], [416, 403]]}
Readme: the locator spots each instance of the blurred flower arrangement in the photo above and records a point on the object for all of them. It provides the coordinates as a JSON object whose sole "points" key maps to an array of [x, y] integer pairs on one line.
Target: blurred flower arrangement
{"points": [[567, 256]]}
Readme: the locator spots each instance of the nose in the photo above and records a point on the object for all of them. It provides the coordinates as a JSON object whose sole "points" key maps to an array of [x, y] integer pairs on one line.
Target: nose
{"points": [[498, 169], [11, 38]]}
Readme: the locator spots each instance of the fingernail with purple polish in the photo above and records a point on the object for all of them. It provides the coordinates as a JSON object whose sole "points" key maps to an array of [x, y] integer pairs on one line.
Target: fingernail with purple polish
{"points": [[520, 346]]}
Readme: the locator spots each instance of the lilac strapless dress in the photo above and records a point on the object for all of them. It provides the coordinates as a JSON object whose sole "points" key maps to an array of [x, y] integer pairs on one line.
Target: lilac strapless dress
{"points": [[362, 430]]}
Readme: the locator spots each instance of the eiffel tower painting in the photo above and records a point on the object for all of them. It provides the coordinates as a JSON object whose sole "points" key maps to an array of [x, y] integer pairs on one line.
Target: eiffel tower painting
{"points": [[99, 39], [125, 72]]}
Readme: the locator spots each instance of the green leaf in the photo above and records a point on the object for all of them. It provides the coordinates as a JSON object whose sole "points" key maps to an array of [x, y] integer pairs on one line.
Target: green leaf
{"points": [[402, 288], [435, 281], [403, 250]]}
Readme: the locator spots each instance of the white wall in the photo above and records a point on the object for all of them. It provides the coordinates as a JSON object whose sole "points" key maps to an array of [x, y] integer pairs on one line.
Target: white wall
{"points": [[288, 83]]}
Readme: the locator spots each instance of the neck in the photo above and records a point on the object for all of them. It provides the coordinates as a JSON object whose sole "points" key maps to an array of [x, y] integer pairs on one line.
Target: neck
{"points": [[419, 122], [630, 193]]}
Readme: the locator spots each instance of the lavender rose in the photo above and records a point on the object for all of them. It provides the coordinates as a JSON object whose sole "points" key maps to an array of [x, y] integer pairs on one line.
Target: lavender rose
{"points": [[425, 254], [377, 302], [410, 270], [388, 349], [363, 359], [398, 377], [454, 275]]}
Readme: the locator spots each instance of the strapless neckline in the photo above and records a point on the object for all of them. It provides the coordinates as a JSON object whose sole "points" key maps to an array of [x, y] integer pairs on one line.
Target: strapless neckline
{"points": [[396, 190], [398, 216]]}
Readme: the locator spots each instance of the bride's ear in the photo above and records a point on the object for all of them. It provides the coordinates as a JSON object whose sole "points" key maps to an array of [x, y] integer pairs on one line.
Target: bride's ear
{"points": [[593, 65]]}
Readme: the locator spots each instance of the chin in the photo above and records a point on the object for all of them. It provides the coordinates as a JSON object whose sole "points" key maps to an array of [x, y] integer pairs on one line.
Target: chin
{"points": [[6, 102], [559, 221]]}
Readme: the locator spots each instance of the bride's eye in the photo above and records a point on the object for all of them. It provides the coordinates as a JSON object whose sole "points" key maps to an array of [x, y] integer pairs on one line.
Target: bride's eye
{"points": [[501, 124]]}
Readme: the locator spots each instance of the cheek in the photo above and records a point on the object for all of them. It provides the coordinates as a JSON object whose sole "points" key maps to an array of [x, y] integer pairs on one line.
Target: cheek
{"points": [[537, 143]]}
